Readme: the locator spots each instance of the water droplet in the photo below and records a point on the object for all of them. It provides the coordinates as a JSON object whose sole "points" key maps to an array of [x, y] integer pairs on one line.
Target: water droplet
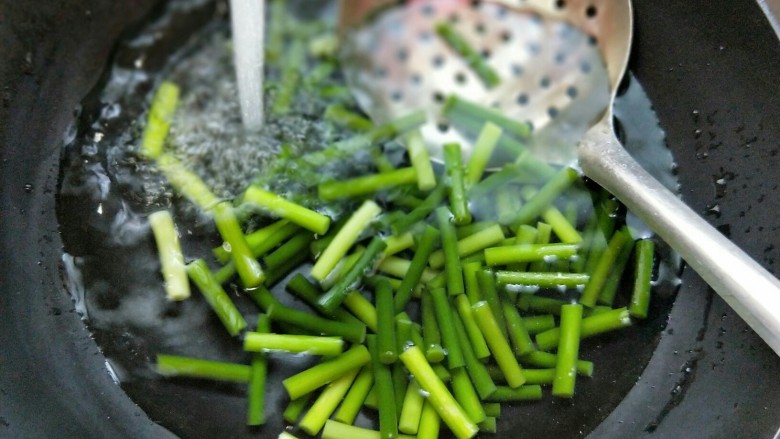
{"points": [[28, 188], [713, 210], [721, 181]]}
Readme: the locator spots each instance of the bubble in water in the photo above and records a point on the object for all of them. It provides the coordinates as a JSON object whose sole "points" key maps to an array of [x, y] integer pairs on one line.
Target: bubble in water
{"points": [[89, 149], [111, 111], [127, 227]]}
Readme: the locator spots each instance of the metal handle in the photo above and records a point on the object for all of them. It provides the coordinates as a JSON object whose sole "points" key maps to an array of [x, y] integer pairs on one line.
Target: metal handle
{"points": [[744, 284]]}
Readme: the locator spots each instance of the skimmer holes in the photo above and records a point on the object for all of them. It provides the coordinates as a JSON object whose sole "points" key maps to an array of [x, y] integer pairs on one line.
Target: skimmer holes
{"points": [[522, 99]]}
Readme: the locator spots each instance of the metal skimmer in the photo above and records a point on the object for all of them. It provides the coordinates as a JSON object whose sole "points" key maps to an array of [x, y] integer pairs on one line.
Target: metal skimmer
{"points": [[546, 52], [560, 63]]}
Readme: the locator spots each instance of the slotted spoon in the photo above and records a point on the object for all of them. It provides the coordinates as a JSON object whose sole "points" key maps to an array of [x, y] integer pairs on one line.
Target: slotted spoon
{"points": [[560, 63]]}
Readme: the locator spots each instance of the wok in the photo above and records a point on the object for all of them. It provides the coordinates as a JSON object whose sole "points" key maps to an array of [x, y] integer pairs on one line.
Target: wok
{"points": [[711, 69]]}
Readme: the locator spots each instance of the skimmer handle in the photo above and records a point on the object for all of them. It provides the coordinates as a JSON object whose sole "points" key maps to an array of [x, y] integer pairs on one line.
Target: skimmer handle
{"points": [[745, 285]]}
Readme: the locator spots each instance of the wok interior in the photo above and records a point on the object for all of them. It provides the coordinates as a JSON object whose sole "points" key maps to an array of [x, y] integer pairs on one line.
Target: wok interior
{"points": [[111, 260]]}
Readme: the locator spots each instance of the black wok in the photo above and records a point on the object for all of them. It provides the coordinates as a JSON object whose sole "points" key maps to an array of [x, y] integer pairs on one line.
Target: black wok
{"points": [[712, 70]]}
